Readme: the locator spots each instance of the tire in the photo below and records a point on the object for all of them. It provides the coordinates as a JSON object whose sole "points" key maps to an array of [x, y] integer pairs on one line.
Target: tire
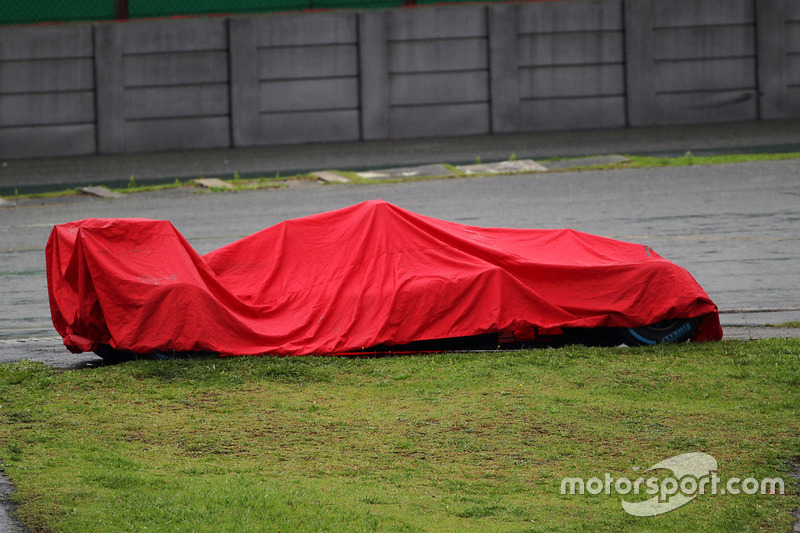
{"points": [[665, 332], [604, 337], [474, 342], [110, 355]]}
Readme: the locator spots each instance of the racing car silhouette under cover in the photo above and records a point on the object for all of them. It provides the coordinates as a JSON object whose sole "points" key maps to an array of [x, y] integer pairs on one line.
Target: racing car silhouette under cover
{"points": [[370, 277]]}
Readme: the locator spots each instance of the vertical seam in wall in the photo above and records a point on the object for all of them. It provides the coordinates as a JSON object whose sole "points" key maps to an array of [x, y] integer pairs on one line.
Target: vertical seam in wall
{"points": [[623, 14], [95, 84], [487, 50], [359, 85], [230, 81], [756, 62]]}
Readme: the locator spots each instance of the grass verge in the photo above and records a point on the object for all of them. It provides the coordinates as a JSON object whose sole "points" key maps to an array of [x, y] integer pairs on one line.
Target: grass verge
{"points": [[790, 324], [690, 159], [240, 184], [447, 442]]}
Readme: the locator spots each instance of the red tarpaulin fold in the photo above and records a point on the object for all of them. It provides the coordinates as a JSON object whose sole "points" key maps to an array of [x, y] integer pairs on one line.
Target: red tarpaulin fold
{"points": [[350, 279]]}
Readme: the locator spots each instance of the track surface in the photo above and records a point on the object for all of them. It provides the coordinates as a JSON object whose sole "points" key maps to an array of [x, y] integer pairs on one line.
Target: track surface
{"points": [[733, 226]]}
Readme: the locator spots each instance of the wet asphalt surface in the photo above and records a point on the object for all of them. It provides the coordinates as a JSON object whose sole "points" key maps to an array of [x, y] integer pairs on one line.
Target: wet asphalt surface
{"points": [[733, 226]]}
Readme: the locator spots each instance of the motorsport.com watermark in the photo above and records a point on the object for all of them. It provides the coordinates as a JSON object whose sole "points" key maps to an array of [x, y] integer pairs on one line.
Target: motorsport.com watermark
{"points": [[692, 474]]}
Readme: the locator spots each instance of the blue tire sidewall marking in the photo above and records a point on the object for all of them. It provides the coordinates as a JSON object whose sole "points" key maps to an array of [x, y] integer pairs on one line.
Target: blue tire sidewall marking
{"points": [[639, 337]]}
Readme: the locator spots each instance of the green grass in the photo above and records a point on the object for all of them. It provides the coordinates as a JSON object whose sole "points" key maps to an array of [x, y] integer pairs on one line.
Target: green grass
{"points": [[130, 189], [689, 159], [133, 188], [790, 324], [48, 194], [447, 442]]}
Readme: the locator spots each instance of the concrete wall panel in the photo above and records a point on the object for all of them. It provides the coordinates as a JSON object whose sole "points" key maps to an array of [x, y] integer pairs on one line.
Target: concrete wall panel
{"points": [[640, 65], [706, 75], [176, 69], [570, 17], [163, 86], [445, 120], [163, 36], [178, 101], [570, 65], [310, 126], [570, 48], [110, 89], [309, 95], [47, 75], [440, 88], [245, 97], [438, 56], [47, 109], [307, 78], [793, 34], [504, 62], [373, 54], [190, 133], [687, 13], [45, 42], [46, 91], [793, 72], [690, 62], [305, 29], [778, 52], [708, 107], [50, 141], [280, 63], [560, 82], [445, 22], [772, 60], [437, 66], [704, 42], [574, 113]]}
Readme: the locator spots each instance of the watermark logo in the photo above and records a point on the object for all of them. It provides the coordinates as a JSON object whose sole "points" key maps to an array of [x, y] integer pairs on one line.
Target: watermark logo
{"points": [[687, 469], [692, 474]]}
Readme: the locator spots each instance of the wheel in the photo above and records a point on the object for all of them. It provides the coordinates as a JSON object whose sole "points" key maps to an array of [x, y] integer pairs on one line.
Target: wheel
{"points": [[665, 332], [605, 337], [110, 355]]}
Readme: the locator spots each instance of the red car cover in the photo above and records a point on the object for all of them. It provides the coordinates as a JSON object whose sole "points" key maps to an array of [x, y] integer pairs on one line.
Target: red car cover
{"points": [[349, 279]]}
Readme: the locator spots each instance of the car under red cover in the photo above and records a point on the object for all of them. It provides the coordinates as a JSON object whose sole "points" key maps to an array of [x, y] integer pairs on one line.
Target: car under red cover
{"points": [[356, 278]]}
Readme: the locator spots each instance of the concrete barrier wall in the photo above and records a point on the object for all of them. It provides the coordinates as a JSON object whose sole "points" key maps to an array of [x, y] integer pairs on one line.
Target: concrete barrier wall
{"points": [[778, 32], [690, 61], [558, 65], [47, 92], [162, 86], [425, 72], [294, 79], [437, 72]]}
